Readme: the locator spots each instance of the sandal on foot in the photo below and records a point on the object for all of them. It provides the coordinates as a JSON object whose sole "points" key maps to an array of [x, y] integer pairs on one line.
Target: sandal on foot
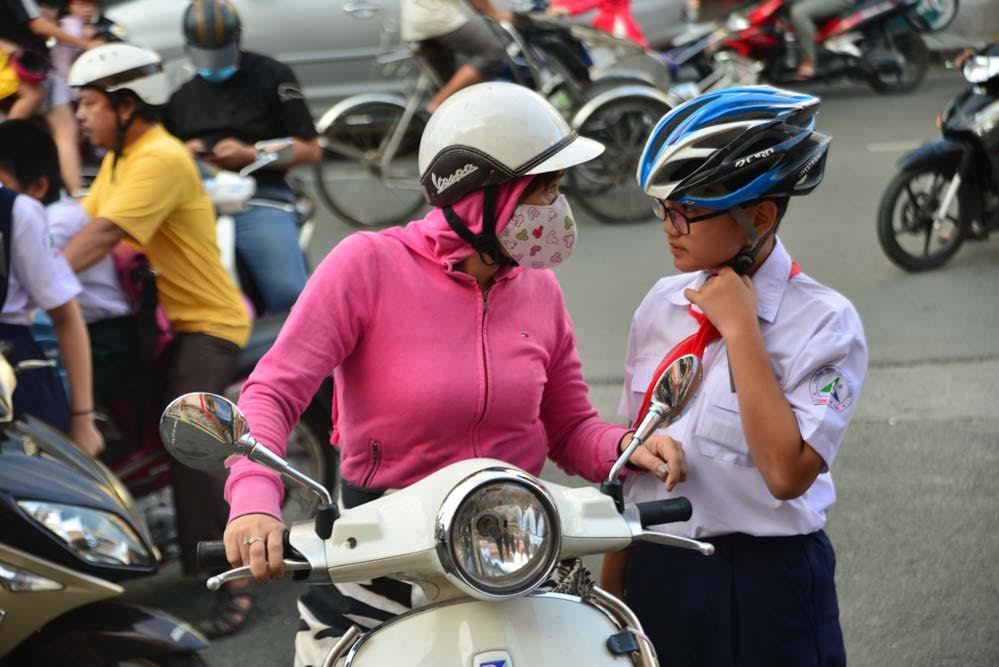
{"points": [[230, 612]]}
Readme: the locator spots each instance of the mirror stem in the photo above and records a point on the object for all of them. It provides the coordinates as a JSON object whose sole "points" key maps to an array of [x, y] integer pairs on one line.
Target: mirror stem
{"points": [[268, 459], [654, 418]]}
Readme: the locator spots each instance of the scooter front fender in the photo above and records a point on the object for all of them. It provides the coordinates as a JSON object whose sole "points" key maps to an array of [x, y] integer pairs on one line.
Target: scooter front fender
{"points": [[944, 150]]}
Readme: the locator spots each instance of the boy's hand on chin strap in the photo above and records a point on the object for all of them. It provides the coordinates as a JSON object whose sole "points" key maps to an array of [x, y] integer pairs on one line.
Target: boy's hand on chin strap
{"points": [[729, 301]]}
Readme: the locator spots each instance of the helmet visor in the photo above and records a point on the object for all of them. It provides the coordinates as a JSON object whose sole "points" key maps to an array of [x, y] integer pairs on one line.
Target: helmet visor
{"points": [[214, 60]]}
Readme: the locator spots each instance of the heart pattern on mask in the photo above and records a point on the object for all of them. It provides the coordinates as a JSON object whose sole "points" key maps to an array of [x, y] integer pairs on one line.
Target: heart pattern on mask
{"points": [[522, 235], [535, 250], [540, 237], [538, 232], [552, 238]]}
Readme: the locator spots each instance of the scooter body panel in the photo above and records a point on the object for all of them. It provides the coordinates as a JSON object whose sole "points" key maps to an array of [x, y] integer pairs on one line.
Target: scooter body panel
{"points": [[522, 632]]}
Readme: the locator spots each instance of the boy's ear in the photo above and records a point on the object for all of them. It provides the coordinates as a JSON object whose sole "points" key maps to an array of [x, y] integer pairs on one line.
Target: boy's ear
{"points": [[764, 216], [38, 188]]}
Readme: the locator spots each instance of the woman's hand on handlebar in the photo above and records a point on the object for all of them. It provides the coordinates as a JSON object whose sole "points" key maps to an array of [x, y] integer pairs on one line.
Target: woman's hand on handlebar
{"points": [[244, 546]]}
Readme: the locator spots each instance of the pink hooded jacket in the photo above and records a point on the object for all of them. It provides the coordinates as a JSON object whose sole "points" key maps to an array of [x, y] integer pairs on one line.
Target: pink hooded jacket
{"points": [[427, 371]]}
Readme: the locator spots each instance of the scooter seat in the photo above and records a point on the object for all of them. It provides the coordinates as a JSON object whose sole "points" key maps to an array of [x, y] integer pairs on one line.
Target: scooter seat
{"points": [[265, 332]]}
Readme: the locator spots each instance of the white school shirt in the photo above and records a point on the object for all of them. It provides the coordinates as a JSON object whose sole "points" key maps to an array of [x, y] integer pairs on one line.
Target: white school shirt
{"points": [[40, 277], [102, 296], [426, 19], [817, 349]]}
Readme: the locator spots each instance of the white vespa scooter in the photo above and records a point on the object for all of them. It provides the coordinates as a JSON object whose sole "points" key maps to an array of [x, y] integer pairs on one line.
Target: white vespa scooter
{"points": [[480, 537]]}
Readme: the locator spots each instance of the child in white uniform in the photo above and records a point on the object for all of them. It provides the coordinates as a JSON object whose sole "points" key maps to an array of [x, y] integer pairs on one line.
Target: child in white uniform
{"points": [[37, 276], [784, 360]]}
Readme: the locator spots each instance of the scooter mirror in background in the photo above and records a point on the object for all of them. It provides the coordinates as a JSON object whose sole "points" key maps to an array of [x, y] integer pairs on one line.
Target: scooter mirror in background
{"points": [[202, 430], [671, 394]]}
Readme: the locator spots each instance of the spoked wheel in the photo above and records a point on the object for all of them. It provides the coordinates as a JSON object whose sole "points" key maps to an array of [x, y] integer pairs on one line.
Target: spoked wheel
{"points": [[309, 451], [350, 177], [908, 233], [914, 59], [605, 187]]}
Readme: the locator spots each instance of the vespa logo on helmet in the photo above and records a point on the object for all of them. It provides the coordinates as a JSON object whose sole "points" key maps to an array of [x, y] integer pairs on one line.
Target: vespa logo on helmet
{"points": [[742, 162], [443, 184]]}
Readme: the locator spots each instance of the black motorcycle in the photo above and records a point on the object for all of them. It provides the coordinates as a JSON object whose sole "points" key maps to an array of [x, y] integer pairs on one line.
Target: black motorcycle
{"points": [[69, 532], [948, 191]]}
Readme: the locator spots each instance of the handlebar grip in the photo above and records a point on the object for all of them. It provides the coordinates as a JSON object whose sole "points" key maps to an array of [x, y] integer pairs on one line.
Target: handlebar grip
{"points": [[656, 512], [211, 556]]}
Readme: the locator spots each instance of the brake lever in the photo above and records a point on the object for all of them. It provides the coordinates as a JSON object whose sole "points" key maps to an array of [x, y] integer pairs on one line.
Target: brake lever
{"points": [[217, 581], [705, 548]]}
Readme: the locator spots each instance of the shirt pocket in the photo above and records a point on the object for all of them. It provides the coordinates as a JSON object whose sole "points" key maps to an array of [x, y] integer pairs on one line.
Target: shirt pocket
{"points": [[719, 433]]}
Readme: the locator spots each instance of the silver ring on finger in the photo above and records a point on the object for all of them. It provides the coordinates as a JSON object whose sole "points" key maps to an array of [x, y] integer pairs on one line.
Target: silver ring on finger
{"points": [[250, 540], [662, 470]]}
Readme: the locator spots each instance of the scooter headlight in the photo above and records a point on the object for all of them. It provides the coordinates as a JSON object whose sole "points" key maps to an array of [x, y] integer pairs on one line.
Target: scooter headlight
{"points": [[498, 534], [95, 536], [737, 22]]}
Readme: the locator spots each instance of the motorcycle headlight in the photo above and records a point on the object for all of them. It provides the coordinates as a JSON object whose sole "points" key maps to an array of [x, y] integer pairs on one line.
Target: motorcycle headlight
{"points": [[737, 22], [95, 536], [498, 534]]}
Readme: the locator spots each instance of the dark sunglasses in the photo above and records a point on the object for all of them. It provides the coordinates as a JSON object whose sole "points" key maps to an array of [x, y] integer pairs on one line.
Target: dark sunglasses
{"points": [[681, 222]]}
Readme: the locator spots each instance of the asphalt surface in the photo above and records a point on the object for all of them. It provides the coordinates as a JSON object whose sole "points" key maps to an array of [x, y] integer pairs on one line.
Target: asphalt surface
{"points": [[916, 527]]}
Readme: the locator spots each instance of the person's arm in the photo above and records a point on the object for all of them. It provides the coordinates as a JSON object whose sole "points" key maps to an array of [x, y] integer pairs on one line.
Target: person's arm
{"points": [[92, 243], [45, 28], [74, 346], [788, 458], [579, 441]]}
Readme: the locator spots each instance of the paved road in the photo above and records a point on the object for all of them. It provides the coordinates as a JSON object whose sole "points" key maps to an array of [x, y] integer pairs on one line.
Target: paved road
{"points": [[917, 524]]}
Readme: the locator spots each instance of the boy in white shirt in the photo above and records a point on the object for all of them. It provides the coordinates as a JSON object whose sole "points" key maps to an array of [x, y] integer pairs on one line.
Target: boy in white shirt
{"points": [[784, 359], [36, 275]]}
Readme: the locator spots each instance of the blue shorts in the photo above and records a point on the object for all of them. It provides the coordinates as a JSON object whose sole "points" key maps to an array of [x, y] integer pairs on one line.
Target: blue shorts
{"points": [[767, 601]]}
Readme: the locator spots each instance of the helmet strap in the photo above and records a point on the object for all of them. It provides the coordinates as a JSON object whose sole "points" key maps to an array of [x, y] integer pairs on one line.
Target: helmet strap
{"points": [[744, 260], [120, 130], [486, 243]]}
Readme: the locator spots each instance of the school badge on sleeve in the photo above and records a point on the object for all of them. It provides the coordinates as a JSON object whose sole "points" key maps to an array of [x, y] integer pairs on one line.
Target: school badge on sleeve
{"points": [[830, 386], [492, 659]]}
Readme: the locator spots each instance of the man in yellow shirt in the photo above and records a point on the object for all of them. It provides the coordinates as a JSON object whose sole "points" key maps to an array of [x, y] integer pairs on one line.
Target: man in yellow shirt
{"points": [[148, 193]]}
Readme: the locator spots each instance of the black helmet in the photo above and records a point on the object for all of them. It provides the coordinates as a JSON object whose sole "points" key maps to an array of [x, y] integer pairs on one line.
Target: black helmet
{"points": [[211, 32]]}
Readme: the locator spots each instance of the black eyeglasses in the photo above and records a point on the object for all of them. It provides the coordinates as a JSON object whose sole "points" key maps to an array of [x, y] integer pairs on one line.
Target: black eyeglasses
{"points": [[681, 221]]}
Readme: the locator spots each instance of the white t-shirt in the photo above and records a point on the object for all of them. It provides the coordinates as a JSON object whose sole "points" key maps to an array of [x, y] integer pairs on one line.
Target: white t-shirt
{"points": [[426, 19], [817, 349], [102, 296], [39, 277]]}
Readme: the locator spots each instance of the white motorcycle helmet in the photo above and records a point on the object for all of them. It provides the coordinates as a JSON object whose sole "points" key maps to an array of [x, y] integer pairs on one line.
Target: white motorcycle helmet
{"points": [[486, 135], [491, 133], [116, 67]]}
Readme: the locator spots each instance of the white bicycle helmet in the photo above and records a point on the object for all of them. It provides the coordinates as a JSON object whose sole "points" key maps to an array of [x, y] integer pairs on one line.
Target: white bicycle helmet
{"points": [[116, 67], [491, 133]]}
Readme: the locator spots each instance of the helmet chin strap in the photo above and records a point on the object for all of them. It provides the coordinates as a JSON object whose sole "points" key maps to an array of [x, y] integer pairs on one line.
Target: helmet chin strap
{"points": [[486, 243], [744, 260], [119, 142]]}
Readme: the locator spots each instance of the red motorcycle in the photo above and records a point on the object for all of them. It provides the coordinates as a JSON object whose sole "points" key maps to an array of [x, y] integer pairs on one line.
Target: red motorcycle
{"points": [[876, 42]]}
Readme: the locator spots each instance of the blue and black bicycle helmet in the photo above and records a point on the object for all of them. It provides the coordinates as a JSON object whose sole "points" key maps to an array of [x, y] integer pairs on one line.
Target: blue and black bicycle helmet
{"points": [[733, 147]]}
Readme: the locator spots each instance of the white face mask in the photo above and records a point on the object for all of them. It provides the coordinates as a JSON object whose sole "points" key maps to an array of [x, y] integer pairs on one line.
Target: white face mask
{"points": [[540, 237]]}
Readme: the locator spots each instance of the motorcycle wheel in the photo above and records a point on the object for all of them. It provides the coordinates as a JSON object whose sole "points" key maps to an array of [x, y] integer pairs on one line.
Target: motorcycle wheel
{"points": [[916, 60], [605, 186], [933, 15], [906, 229], [309, 451], [349, 175]]}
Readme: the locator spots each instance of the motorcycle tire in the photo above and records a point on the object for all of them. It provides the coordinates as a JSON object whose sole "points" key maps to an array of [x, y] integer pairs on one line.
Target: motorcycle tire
{"points": [[888, 234], [916, 55], [599, 187], [365, 129]]}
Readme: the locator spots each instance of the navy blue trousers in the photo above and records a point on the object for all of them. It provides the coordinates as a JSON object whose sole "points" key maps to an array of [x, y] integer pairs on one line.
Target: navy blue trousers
{"points": [[768, 601], [39, 392]]}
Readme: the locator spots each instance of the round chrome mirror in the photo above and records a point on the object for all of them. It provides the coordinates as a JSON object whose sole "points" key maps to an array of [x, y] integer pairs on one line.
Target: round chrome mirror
{"points": [[677, 385], [202, 430]]}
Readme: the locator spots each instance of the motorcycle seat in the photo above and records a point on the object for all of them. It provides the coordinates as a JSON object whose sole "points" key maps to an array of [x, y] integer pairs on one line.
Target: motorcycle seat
{"points": [[265, 332]]}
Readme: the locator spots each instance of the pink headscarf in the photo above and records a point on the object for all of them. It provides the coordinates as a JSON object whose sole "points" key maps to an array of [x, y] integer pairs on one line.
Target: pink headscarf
{"points": [[433, 238]]}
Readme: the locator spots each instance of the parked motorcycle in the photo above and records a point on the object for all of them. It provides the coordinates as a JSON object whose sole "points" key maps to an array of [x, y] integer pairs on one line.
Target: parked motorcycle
{"points": [[69, 533], [368, 176], [480, 537], [948, 191], [876, 42]]}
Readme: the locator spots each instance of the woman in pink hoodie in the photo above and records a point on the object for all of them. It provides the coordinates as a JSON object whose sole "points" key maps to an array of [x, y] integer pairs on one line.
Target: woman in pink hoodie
{"points": [[447, 341]]}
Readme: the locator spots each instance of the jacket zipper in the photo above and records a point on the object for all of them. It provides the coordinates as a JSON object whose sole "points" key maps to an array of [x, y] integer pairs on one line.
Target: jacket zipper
{"points": [[376, 459], [485, 374]]}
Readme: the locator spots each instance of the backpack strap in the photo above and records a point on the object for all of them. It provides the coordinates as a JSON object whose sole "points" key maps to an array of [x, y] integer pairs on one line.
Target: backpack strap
{"points": [[7, 197]]}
